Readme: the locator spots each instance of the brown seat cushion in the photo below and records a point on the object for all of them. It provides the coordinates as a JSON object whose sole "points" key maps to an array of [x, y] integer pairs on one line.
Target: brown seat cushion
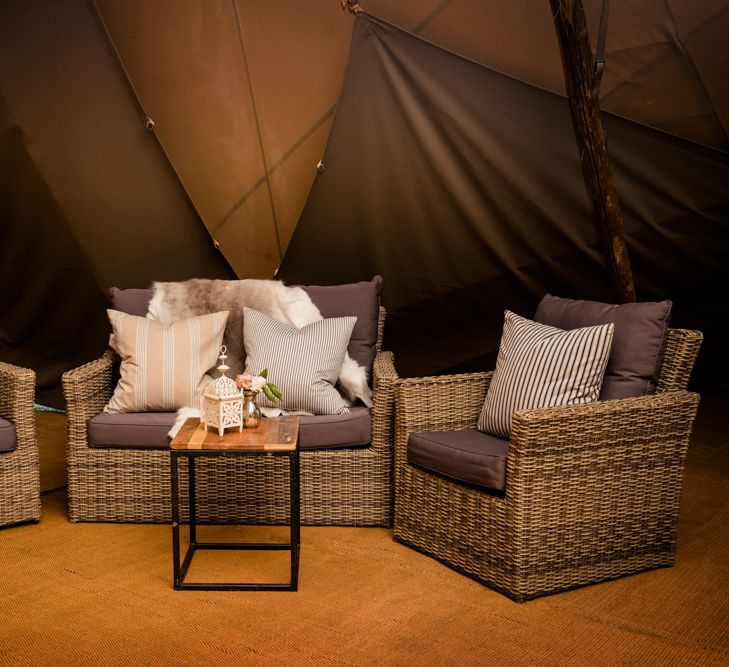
{"points": [[352, 429], [468, 456], [638, 337], [8, 438], [148, 430], [131, 430]]}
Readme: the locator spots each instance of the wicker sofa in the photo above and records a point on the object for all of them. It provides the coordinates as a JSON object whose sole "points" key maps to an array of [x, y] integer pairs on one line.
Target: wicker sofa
{"points": [[341, 486], [592, 492], [19, 461]]}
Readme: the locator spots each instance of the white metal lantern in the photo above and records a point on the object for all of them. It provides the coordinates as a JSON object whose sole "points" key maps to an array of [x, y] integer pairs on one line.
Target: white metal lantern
{"points": [[221, 406]]}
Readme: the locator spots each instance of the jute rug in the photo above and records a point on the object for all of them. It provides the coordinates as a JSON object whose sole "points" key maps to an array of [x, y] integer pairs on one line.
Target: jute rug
{"points": [[101, 594]]}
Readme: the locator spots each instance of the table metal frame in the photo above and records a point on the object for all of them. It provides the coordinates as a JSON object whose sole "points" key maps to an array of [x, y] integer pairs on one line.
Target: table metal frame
{"points": [[293, 546]]}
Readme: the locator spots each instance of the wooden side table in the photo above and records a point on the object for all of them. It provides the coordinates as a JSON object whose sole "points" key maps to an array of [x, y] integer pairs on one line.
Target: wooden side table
{"points": [[274, 437]]}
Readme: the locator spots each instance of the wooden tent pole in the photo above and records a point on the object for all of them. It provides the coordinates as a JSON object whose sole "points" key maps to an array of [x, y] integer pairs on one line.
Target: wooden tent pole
{"points": [[582, 92]]}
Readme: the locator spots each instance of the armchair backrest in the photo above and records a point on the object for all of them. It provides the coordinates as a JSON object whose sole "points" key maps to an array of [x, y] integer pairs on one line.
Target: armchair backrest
{"points": [[679, 355]]}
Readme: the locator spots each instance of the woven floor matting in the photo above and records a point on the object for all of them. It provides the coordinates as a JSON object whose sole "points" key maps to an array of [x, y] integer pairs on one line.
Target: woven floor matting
{"points": [[100, 594]]}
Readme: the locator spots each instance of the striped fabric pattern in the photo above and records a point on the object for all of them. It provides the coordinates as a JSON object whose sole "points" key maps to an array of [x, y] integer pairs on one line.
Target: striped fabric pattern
{"points": [[163, 367], [304, 363], [540, 366]]}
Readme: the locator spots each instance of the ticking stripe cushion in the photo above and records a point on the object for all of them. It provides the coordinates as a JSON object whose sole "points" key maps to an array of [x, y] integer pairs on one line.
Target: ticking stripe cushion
{"points": [[163, 367], [539, 366], [303, 363]]}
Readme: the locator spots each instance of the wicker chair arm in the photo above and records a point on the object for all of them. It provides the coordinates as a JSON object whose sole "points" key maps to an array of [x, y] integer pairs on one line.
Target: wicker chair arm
{"points": [[383, 370], [562, 426], [88, 388], [384, 377], [602, 447], [441, 403], [679, 355], [17, 401]]}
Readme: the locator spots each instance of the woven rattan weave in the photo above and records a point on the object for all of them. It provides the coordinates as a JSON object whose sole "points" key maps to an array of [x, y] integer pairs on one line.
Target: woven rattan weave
{"points": [[592, 492], [19, 469], [338, 487]]}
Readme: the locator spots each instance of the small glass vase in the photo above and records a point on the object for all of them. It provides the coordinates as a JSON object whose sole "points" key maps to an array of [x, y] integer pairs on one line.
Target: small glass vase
{"points": [[251, 412]]}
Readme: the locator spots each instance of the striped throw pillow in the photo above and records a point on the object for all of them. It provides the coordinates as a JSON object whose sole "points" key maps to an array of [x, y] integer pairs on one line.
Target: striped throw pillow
{"points": [[304, 363], [539, 366], [163, 367]]}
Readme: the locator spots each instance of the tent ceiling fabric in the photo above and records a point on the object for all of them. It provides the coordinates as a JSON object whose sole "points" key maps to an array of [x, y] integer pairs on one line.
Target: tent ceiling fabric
{"points": [[240, 92], [462, 187], [666, 60], [243, 93]]}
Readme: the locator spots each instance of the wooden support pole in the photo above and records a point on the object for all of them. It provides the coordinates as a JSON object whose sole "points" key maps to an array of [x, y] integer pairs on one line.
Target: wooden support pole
{"points": [[581, 85]]}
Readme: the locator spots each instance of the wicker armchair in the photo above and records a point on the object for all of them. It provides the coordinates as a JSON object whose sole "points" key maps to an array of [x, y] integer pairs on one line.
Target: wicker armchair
{"points": [[592, 492], [19, 469], [338, 486]]}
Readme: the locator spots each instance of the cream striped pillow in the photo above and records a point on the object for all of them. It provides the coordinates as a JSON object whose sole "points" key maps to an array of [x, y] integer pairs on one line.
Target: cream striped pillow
{"points": [[539, 366], [304, 363], [163, 367]]}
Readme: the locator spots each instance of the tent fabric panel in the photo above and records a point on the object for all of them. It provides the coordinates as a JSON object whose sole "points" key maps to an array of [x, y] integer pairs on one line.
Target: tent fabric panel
{"points": [[104, 169], [708, 46], [245, 86], [41, 266], [249, 237], [291, 180], [648, 76], [681, 108], [486, 32], [89, 200], [462, 187], [203, 111], [296, 57], [432, 141]]}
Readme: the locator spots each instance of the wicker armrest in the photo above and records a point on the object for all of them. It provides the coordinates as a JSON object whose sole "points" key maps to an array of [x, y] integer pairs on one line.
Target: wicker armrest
{"points": [[17, 391], [614, 445], [384, 374], [679, 355], [88, 388], [441, 403], [565, 426], [384, 377], [17, 401]]}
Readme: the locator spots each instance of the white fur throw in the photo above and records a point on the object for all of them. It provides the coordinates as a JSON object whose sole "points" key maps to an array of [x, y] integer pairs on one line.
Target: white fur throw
{"points": [[172, 301]]}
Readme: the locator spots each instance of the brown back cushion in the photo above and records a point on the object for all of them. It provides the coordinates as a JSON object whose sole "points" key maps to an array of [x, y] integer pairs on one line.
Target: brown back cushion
{"points": [[360, 299], [130, 301], [640, 330]]}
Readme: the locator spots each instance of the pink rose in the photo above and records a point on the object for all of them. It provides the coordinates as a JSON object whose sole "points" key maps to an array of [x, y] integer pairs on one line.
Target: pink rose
{"points": [[244, 380]]}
